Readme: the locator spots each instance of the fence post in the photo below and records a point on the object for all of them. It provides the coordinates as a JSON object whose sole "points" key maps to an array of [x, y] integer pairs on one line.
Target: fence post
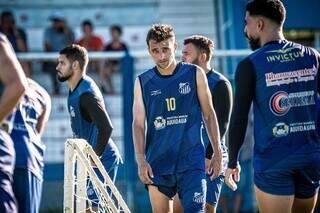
{"points": [[127, 101]]}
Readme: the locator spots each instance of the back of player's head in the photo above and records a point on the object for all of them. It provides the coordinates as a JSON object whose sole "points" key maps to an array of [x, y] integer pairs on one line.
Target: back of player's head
{"points": [[271, 9], [76, 52], [202, 43], [160, 32]]}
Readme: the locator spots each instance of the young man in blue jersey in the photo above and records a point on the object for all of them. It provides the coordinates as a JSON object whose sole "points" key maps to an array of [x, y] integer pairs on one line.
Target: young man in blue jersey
{"points": [[198, 50], [12, 86], [89, 118], [168, 100], [281, 79], [30, 118]]}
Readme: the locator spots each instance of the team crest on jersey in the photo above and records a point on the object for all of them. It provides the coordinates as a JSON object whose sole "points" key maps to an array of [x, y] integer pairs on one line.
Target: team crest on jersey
{"points": [[72, 113], [198, 197], [184, 88], [159, 123]]}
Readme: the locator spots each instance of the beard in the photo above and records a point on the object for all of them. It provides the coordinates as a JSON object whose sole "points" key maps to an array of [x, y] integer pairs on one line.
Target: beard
{"points": [[196, 61], [64, 78], [254, 43]]}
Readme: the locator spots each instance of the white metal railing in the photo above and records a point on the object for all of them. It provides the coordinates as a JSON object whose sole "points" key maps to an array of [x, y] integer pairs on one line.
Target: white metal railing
{"points": [[42, 56]]}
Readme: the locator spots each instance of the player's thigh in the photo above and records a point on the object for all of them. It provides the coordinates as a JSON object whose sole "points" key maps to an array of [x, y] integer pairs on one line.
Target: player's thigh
{"points": [[160, 202], [270, 203], [192, 189], [177, 208], [304, 205]]}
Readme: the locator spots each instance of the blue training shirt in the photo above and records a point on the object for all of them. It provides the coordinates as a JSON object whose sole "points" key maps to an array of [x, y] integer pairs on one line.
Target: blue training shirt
{"points": [[27, 141], [173, 141], [284, 102], [80, 126]]}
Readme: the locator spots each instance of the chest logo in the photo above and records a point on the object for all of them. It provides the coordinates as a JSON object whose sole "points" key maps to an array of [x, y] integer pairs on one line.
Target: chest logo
{"points": [[184, 88]]}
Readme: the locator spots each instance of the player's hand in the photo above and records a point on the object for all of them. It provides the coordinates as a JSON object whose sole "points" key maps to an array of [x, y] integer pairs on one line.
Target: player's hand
{"points": [[145, 171], [232, 176], [216, 165]]}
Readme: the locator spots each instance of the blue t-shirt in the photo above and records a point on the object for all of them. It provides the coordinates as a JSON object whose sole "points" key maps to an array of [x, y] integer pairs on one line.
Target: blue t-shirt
{"points": [[173, 141], [284, 102], [27, 141], [84, 129]]}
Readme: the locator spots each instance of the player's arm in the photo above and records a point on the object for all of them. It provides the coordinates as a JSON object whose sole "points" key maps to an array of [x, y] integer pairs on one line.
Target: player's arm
{"points": [[222, 104], [92, 109], [138, 132], [244, 93], [12, 77], [210, 120], [46, 106]]}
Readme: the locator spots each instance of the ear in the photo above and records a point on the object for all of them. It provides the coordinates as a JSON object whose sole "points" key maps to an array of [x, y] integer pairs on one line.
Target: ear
{"points": [[260, 25], [175, 46], [202, 57], [75, 65]]}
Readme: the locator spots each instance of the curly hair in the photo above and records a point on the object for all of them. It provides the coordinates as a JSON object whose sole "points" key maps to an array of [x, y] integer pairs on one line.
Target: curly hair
{"points": [[160, 32]]}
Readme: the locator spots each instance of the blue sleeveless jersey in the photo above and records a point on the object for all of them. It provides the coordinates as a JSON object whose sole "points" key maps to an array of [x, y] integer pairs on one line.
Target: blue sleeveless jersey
{"points": [[27, 141], [84, 129], [213, 79], [173, 140], [284, 103]]}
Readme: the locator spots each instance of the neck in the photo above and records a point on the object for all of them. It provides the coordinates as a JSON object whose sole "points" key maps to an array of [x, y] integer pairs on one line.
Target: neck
{"points": [[169, 70], [74, 80], [206, 67], [274, 35]]}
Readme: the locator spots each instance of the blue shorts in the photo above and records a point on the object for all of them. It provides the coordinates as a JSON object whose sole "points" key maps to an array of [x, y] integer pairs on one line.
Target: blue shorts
{"points": [[7, 158], [112, 170], [214, 189], [303, 183], [27, 188], [190, 186]]}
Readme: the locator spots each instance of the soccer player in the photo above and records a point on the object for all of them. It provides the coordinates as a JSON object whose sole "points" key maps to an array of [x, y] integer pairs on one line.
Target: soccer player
{"points": [[282, 80], [12, 86], [89, 118], [30, 118], [169, 98], [199, 50]]}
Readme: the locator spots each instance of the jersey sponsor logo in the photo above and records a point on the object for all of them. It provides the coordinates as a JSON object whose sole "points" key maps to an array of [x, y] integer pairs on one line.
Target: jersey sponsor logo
{"points": [[155, 92], [160, 122], [284, 55], [198, 197], [303, 126], [184, 88], [302, 75], [282, 129], [281, 102], [71, 111]]}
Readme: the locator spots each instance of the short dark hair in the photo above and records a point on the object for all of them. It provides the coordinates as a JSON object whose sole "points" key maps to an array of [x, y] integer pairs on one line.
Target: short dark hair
{"points": [[202, 43], [76, 52], [6, 14], [160, 32], [271, 9], [116, 28], [87, 22]]}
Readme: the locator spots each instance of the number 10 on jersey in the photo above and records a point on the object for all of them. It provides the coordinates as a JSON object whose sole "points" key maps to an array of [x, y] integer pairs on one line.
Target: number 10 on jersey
{"points": [[171, 104]]}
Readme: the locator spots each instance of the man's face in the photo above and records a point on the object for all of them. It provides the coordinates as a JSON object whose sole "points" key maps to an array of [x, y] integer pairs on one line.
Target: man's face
{"points": [[190, 54], [87, 30], [250, 31], [163, 52], [64, 68]]}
